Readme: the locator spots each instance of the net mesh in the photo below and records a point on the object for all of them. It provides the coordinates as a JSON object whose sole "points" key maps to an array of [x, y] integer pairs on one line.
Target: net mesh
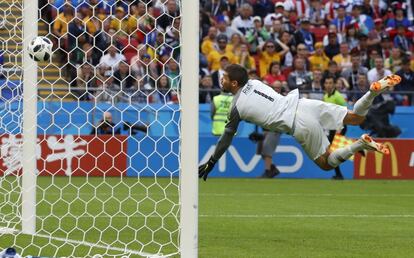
{"points": [[108, 129]]}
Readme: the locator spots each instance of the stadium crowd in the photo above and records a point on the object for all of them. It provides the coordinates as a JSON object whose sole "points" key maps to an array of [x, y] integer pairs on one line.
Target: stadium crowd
{"points": [[301, 42], [130, 49], [117, 50]]}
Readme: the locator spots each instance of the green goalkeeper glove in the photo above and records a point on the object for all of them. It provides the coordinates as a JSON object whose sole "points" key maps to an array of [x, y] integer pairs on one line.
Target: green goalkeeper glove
{"points": [[206, 168]]}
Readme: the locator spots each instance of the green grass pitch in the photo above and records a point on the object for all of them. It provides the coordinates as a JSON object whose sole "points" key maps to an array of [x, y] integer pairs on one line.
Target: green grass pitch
{"points": [[238, 217], [306, 218]]}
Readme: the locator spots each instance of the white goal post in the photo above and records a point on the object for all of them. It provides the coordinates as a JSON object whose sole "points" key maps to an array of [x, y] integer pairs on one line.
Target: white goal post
{"points": [[30, 12], [67, 192], [189, 129]]}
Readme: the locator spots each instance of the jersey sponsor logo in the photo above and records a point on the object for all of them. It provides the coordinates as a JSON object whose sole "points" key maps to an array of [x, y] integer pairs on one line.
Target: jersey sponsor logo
{"points": [[264, 95]]}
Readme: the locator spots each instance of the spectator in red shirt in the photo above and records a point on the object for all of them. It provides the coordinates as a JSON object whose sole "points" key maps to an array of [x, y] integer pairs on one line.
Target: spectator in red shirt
{"points": [[274, 74]]}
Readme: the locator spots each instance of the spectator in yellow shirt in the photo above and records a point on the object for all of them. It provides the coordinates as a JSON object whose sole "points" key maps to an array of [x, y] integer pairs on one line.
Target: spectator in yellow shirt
{"points": [[343, 59], [319, 61], [91, 21], [394, 62], [119, 22], [214, 57], [244, 58], [412, 63], [235, 41], [93, 24], [137, 12], [268, 54], [61, 23], [207, 46]]}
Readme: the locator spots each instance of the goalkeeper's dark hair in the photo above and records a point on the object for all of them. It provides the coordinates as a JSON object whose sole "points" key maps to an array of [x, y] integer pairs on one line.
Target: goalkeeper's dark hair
{"points": [[237, 73]]}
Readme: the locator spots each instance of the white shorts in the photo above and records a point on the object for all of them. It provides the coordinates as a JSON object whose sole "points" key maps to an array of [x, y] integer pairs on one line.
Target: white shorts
{"points": [[312, 117]]}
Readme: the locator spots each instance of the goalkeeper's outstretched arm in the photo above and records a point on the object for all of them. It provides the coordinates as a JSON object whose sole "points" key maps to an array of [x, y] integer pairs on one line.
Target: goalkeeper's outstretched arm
{"points": [[222, 144]]}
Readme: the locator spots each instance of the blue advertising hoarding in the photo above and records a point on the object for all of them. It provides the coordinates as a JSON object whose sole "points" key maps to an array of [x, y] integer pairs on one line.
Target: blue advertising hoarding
{"points": [[153, 156], [157, 153], [241, 160], [159, 156]]}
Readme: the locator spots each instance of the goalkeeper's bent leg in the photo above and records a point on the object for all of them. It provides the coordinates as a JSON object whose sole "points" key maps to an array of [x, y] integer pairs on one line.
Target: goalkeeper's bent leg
{"points": [[363, 104], [342, 154]]}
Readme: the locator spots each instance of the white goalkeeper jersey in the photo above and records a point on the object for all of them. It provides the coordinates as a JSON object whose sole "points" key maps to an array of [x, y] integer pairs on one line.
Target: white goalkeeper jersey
{"points": [[259, 104]]}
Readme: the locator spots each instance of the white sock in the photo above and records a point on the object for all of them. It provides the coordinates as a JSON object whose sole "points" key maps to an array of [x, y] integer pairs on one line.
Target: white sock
{"points": [[363, 104], [342, 154]]}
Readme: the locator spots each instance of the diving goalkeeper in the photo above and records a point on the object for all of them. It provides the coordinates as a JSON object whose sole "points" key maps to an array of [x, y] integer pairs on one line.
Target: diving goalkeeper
{"points": [[304, 119]]}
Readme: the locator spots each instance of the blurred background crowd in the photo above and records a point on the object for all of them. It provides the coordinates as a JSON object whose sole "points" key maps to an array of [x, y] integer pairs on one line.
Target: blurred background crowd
{"points": [[298, 43], [117, 50], [130, 49]]}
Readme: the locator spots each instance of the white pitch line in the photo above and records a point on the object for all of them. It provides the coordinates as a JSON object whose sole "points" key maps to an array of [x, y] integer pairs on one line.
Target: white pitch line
{"points": [[248, 216], [90, 244], [72, 195], [304, 195]]}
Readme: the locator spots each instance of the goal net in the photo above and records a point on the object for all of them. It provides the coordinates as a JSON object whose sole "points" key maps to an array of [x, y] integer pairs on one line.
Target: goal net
{"points": [[101, 174]]}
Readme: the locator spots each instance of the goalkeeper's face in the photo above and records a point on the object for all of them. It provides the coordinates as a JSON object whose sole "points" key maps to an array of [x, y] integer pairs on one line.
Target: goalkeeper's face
{"points": [[226, 84], [225, 81]]}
